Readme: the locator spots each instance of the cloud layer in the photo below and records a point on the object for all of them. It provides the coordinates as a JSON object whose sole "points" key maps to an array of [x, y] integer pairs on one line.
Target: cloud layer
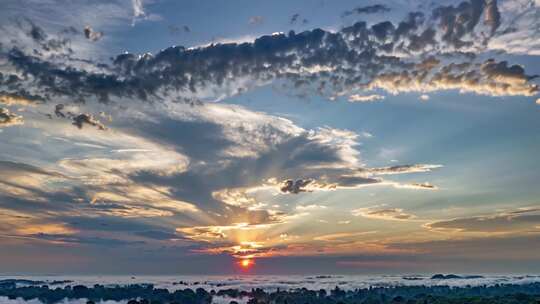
{"points": [[422, 53]]}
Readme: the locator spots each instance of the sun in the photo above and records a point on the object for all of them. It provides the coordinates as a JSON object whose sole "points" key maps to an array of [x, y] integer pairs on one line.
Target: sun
{"points": [[246, 263]]}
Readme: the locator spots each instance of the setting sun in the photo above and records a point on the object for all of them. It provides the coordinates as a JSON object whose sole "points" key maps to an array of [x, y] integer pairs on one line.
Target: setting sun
{"points": [[246, 263]]}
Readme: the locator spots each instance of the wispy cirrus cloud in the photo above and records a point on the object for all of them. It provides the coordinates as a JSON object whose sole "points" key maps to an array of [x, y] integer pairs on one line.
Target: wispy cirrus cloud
{"points": [[514, 221]]}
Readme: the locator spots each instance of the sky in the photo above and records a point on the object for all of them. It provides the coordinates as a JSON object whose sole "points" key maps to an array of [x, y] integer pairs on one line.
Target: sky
{"points": [[182, 137]]}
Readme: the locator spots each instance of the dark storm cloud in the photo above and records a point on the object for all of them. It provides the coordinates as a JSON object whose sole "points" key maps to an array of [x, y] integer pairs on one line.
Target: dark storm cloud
{"points": [[356, 58], [370, 9]]}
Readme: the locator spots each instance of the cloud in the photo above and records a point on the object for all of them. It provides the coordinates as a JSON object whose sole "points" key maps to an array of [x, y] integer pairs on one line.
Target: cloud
{"points": [[80, 120], [8, 119], [256, 20], [392, 214], [370, 9], [84, 240], [138, 11], [343, 237], [92, 35], [98, 182], [310, 207], [14, 168], [417, 186], [173, 29], [367, 98], [220, 189], [355, 178], [517, 33], [158, 234], [487, 78], [403, 169], [352, 61], [58, 111], [521, 220], [496, 248], [295, 18], [291, 186], [492, 16], [233, 164], [15, 100], [224, 239], [101, 206]]}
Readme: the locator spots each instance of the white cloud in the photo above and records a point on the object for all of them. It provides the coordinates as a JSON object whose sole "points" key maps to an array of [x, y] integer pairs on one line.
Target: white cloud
{"points": [[139, 12], [310, 207], [383, 213], [366, 98]]}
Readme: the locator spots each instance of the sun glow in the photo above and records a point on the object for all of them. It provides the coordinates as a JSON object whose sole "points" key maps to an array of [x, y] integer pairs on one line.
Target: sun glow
{"points": [[246, 263]]}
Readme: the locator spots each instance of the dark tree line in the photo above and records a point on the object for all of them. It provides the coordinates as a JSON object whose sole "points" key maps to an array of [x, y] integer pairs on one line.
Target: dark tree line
{"points": [[148, 294]]}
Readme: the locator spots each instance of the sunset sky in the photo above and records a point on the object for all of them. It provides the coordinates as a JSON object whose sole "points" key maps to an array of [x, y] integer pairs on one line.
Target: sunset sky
{"points": [[180, 137]]}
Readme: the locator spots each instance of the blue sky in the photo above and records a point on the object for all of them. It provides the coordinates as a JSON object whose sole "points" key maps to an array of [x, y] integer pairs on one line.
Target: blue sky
{"points": [[378, 137]]}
